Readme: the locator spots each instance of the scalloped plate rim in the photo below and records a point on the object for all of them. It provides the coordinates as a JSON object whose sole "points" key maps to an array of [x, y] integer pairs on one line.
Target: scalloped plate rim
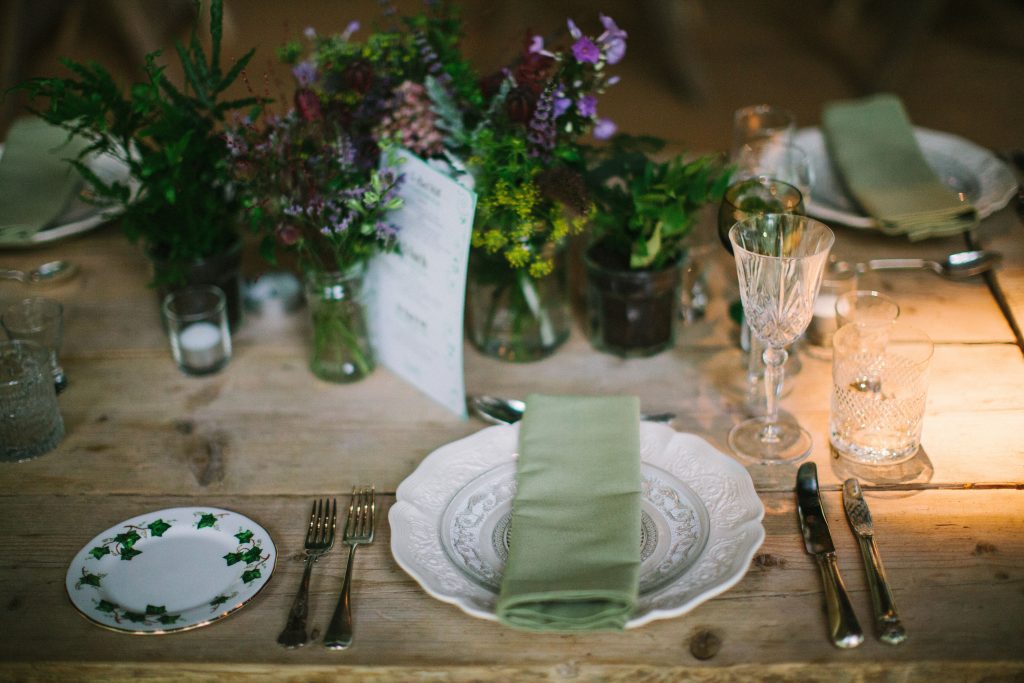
{"points": [[752, 522]]}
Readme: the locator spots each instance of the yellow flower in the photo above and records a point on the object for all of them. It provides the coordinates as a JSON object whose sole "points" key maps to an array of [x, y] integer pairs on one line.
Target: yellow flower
{"points": [[541, 268], [518, 256]]}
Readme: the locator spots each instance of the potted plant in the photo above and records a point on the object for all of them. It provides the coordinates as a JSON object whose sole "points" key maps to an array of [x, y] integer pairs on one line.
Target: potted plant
{"points": [[645, 210], [306, 188], [178, 199]]}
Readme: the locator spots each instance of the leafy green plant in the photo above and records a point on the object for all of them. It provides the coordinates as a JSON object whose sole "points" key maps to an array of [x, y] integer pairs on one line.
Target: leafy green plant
{"points": [[646, 208], [178, 200]]}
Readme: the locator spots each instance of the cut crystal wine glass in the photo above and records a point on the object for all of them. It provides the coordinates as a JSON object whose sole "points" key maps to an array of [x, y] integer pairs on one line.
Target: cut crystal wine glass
{"points": [[780, 259]]}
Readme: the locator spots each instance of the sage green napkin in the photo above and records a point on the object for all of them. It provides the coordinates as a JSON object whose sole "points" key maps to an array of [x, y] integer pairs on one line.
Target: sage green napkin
{"points": [[36, 181], [574, 555], [872, 144]]}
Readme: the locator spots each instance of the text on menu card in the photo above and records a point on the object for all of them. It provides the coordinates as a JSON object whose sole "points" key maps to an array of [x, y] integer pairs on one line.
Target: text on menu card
{"points": [[416, 298]]}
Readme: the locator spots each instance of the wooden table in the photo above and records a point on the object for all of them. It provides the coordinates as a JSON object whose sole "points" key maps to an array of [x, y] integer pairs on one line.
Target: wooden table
{"points": [[264, 436]]}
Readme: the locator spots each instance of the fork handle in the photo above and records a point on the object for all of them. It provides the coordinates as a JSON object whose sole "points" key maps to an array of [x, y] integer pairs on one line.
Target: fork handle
{"points": [[294, 633], [339, 632]]}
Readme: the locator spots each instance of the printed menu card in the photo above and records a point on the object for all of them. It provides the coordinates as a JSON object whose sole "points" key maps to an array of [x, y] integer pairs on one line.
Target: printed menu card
{"points": [[416, 298]]}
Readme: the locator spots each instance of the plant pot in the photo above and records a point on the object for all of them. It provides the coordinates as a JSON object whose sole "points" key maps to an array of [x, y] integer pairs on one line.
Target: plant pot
{"points": [[223, 270], [340, 350], [631, 313], [512, 316]]}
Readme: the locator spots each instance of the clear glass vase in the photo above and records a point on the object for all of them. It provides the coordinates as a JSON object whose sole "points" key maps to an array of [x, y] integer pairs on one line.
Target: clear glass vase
{"points": [[512, 316], [341, 350]]}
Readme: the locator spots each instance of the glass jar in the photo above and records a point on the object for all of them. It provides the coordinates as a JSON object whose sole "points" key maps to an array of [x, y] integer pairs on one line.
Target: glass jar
{"points": [[341, 350], [631, 313], [511, 315]]}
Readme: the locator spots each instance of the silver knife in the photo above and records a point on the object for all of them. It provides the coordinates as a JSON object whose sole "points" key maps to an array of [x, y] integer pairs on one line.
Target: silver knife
{"points": [[844, 629], [887, 620]]}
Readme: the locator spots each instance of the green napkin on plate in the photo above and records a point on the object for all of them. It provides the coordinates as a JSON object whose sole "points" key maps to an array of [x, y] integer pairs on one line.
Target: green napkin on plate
{"points": [[36, 181], [872, 144], [574, 555]]}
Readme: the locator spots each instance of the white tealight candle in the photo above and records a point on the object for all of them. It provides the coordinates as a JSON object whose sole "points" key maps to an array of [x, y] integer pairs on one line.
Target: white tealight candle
{"points": [[201, 346]]}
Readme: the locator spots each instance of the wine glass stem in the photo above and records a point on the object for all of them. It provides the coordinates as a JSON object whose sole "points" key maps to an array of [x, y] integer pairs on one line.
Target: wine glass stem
{"points": [[774, 359]]}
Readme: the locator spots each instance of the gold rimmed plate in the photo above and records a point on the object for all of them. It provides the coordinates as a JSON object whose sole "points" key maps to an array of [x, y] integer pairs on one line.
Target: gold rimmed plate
{"points": [[171, 570]]}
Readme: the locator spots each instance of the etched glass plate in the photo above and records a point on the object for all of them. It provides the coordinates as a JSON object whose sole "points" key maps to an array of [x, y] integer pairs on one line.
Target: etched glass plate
{"points": [[702, 521], [964, 167], [475, 527], [171, 570]]}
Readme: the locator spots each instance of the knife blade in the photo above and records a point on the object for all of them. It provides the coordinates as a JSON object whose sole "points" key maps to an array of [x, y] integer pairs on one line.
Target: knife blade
{"points": [[997, 293], [887, 620], [844, 629]]}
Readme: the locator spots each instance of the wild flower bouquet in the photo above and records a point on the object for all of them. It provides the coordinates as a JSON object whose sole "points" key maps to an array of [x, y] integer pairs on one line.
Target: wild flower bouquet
{"points": [[308, 191]]}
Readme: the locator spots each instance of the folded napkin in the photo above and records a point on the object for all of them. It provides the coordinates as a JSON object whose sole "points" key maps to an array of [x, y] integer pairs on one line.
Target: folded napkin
{"points": [[36, 181], [872, 144], [574, 555]]}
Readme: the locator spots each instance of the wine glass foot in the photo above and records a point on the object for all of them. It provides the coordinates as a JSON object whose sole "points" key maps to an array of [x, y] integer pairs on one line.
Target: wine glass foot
{"points": [[789, 442]]}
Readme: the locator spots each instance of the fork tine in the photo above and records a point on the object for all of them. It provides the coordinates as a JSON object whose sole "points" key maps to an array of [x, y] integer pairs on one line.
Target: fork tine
{"points": [[334, 521], [312, 524]]}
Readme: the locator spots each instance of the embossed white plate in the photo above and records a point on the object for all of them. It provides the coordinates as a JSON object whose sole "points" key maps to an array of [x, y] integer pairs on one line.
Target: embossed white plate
{"points": [[964, 167], [80, 216], [702, 521], [171, 570]]}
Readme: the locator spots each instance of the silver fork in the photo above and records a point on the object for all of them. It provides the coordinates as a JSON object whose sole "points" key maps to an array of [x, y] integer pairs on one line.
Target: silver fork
{"points": [[358, 531], [323, 520]]}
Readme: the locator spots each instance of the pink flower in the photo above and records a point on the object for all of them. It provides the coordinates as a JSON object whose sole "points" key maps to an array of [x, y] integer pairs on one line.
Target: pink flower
{"points": [[308, 105]]}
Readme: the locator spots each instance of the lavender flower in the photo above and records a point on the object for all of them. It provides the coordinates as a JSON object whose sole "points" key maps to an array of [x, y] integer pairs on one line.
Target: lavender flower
{"points": [[574, 30], [310, 33], [613, 40], [587, 106], [352, 27], [305, 73], [536, 45], [542, 126], [585, 51], [561, 103], [604, 129], [385, 231]]}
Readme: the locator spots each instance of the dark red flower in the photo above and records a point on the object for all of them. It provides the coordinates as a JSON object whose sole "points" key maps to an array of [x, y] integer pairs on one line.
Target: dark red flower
{"points": [[359, 76], [308, 105], [287, 234], [519, 105]]}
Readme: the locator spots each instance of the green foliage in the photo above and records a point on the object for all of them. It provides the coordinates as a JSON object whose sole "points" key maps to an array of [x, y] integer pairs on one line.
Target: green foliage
{"points": [[178, 201], [646, 208]]}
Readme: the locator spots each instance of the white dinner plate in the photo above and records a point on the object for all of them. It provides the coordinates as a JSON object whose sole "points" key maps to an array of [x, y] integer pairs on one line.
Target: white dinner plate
{"points": [[171, 570], [701, 521], [964, 167], [81, 216]]}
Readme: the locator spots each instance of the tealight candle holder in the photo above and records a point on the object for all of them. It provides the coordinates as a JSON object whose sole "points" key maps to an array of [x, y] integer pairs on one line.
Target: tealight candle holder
{"points": [[197, 326]]}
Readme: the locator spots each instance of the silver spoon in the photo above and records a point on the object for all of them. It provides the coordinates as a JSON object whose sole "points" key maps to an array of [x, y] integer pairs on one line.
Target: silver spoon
{"points": [[963, 264], [47, 273], [504, 411]]}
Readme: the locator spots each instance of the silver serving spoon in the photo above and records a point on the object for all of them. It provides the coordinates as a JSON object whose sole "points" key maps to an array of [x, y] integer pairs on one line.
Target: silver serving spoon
{"points": [[956, 266], [504, 411], [47, 273]]}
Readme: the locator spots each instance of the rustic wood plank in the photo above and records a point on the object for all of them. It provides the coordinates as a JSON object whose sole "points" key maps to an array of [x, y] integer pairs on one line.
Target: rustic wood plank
{"points": [[965, 545]]}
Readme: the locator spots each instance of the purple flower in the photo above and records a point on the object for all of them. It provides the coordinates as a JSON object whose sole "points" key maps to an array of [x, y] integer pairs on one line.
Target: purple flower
{"points": [[561, 105], [587, 106], [613, 40], [574, 30], [385, 231], [310, 33], [305, 73], [352, 27], [536, 45], [604, 129], [585, 51]]}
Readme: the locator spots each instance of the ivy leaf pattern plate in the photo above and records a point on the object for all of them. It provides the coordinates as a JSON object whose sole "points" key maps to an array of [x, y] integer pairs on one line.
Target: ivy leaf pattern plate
{"points": [[171, 570], [700, 514]]}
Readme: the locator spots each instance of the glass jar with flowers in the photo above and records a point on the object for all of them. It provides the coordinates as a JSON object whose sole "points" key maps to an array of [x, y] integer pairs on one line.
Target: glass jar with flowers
{"points": [[645, 210], [309, 191], [178, 198], [521, 149]]}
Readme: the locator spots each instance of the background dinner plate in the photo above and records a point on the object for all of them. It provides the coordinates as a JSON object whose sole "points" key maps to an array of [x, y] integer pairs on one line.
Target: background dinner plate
{"points": [[964, 167], [80, 216], [171, 570], [429, 498]]}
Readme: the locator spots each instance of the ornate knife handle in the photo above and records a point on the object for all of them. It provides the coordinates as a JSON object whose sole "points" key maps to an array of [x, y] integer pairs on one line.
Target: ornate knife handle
{"points": [[887, 619], [844, 628]]}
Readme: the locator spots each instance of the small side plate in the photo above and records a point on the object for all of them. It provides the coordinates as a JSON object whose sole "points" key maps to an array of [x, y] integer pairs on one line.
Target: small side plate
{"points": [[171, 570]]}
